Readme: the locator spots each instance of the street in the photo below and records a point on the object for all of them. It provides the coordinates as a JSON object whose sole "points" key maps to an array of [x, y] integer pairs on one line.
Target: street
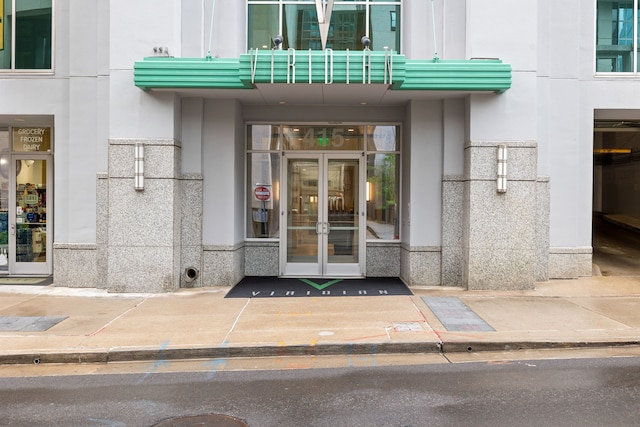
{"points": [[570, 392]]}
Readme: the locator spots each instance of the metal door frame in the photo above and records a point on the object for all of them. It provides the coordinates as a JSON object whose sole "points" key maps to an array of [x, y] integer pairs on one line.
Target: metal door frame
{"points": [[322, 268], [30, 268]]}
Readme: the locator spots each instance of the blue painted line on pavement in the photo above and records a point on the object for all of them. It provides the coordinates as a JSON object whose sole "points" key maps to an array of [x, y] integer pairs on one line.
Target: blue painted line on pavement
{"points": [[216, 363], [161, 361]]}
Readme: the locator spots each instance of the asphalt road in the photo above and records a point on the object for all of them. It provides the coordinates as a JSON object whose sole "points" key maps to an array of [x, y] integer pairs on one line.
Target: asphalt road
{"points": [[575, 392]]}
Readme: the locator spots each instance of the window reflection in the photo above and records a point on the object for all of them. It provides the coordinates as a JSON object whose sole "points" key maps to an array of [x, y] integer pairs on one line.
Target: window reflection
{"points": [[33, 34], [263, 196], [382, 196], [615, 36], [298, 24]]}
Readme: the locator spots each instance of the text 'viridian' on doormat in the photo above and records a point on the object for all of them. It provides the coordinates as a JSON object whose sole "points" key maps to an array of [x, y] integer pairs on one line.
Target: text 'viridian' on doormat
{"points": [[271, 287]]}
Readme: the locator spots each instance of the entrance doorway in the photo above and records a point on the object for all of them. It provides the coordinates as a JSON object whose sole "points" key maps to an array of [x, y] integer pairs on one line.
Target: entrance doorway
{"points": [[324, 234], [25, 186]]}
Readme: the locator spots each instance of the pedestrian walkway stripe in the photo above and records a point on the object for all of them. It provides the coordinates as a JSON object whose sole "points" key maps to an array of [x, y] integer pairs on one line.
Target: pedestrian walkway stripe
{"points": [[456, 315]]}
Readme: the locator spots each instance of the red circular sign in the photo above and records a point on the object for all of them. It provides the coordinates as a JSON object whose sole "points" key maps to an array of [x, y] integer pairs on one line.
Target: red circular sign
{"points": [[262, 193]]}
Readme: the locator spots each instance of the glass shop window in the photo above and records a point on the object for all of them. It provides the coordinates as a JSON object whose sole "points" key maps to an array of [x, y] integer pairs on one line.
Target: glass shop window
{"points": [[263, 178], [382, 190]]}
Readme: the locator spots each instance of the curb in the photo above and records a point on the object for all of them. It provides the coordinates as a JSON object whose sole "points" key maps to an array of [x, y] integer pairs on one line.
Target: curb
{"points": [[141, 354]]}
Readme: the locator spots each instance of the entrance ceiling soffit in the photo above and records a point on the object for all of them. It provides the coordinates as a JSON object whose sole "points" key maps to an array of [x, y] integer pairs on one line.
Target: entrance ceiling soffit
{"points": [[329, 74]]}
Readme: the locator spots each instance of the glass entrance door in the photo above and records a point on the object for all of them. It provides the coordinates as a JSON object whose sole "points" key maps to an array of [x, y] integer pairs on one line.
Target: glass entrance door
{"points": [[27, 251], [323, 215]]}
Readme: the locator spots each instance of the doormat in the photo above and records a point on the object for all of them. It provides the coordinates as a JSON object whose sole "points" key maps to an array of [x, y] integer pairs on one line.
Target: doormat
{"points": [[456, 315], [32, 281], [29, 323], [274, 287]]}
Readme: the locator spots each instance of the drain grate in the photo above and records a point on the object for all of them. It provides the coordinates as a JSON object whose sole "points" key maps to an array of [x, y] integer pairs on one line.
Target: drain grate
{"points": [[205, 420]]}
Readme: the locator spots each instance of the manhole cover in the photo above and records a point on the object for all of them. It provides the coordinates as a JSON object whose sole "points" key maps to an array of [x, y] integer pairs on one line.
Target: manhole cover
{"points": [[207, 420]]}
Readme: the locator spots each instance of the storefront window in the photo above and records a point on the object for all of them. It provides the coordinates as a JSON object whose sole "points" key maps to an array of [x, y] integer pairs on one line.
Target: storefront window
{"points": [[30, 139], [383, 182], [297, 22], [26, 34], [263, 137], [381, 145], [263, 179]]}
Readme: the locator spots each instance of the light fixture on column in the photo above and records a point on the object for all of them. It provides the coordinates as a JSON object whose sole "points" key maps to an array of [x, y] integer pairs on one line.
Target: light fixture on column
{"points": [[502, 169], [138, 177]]}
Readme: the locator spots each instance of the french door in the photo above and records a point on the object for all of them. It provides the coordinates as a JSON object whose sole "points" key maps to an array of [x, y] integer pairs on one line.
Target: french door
{"points": [[324, 215]]}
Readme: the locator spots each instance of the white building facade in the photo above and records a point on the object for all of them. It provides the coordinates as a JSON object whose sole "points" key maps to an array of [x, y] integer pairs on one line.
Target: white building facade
{"points": [[151, 145]]}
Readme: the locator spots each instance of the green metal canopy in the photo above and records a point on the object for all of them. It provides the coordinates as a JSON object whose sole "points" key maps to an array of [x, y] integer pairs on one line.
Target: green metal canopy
{"points": [[322, 67]]}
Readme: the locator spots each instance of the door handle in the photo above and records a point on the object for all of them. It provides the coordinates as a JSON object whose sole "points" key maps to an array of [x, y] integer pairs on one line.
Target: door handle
{"points": [[323, 228], [13, 229]]}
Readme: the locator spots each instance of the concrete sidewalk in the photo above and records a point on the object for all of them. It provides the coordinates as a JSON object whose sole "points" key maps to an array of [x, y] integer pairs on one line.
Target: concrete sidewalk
{"points": [[57, 325]]}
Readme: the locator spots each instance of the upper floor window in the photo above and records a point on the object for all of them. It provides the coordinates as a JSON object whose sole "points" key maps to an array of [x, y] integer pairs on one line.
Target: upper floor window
{"points": [[617, 36], [297, 21], [26, 32]]}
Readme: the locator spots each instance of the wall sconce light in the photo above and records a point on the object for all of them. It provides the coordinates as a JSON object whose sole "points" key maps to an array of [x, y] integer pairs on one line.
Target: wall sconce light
{"points": [[369, 190], [138, 176], [502, 169]]}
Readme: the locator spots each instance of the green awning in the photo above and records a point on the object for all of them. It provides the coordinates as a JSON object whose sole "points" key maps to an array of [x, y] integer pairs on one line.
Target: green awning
{"points": [[322, 67]]}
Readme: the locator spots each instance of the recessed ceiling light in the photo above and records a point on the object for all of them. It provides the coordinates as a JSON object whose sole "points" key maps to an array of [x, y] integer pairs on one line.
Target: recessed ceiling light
{"points": [[282, 102], [363, 103]]}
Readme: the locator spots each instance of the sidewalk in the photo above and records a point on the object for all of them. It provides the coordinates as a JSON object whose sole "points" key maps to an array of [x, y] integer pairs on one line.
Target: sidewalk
{"points": [[57, 325]]}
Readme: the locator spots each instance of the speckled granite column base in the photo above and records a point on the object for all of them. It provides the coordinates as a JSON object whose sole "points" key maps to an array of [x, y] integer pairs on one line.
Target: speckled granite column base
{"points": [[191, 229], [143, 231], [452, 230], [570, 263], [421, 265], [74, 265], [223, 265], [499, 238], [383, 259], [262, 258]]}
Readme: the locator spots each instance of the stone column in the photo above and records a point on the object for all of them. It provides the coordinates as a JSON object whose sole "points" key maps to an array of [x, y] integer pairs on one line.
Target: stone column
{"points": [[144, 227], [499, 229]]}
